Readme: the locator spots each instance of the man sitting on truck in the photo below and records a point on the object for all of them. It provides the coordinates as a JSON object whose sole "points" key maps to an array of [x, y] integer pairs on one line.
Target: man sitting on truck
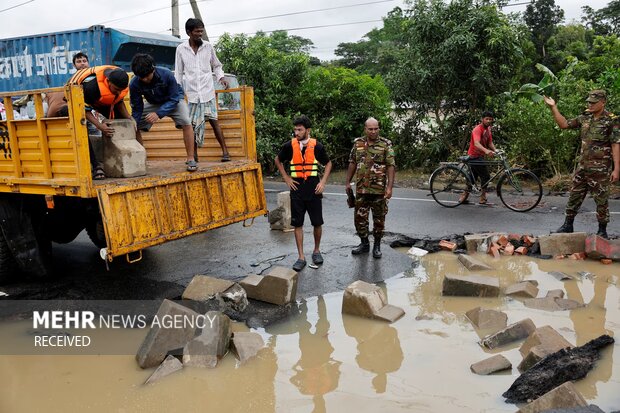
{"points": [[104, 90], [164, 97]]}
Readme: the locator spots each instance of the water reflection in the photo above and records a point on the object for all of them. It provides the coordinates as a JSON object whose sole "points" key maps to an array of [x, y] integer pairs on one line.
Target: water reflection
{"points": [[316, 372]]}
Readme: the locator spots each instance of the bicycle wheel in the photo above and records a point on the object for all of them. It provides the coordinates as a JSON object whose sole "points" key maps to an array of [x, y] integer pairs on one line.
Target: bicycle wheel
{"points": [[448, 183], [519, 189]]}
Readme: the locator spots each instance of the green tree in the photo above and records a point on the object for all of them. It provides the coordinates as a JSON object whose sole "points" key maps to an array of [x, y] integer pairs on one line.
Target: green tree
{"points": [[542, 17], [603, 21]]}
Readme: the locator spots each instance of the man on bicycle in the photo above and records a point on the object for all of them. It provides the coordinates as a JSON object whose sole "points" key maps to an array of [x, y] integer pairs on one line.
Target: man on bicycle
{"points": [[480, 145]]}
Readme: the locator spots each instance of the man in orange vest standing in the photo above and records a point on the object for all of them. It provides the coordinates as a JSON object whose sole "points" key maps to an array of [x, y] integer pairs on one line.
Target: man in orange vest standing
{"points": [[105, 87], [304, 155]]}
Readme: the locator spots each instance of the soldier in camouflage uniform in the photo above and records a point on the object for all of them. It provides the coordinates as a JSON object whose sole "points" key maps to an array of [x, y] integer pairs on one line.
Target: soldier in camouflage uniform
{"points": [[600, 151], [372, 163]]}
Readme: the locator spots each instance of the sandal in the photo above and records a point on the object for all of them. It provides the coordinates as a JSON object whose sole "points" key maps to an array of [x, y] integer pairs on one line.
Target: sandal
{"points": [[192, 166], [99, 174], [299, 265], [226, 158]]}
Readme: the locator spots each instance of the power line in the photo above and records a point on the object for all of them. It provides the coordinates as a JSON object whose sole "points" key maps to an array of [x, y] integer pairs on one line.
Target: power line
{"points": [[17, 5], [302, 12], [146, 12]]}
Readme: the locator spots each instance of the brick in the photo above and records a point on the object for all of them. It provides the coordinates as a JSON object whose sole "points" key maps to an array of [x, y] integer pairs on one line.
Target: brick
{"points": [[521, 251], [598, 247], [559, 257], [514, 237], [470, 286], [578, 256], [528, 240], [522, 289], [494, 250], [606, 261], [556, 244], [502, 241], [563, 396], [479, 242], [509, 249], [447, 245], [472, 264], [491, 365], [514, 332], [487, 319], [368, 300], [542, 342], [278, 287]]}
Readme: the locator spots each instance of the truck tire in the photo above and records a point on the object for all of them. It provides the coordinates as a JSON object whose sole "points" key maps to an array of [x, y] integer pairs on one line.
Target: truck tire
{"points": [[96, 233], [8, 265]]}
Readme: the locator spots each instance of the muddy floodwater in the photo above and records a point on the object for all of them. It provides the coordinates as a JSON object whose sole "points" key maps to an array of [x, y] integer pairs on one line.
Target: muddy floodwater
{"points": [[322, 361]]}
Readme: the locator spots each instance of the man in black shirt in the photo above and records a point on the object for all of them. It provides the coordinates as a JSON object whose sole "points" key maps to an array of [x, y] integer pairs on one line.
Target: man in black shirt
{"points": [[304, 154]]}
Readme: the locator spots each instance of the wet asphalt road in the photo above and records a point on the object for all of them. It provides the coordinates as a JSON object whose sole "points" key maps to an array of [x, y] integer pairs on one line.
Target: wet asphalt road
{"points": [[234, 251]]}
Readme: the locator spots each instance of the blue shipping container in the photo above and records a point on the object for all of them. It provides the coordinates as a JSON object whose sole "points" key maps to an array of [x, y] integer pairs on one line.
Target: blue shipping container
{"points": [[45, 60]]}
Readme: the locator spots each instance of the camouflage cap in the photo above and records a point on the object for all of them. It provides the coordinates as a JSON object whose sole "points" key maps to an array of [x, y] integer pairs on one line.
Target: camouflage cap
{"points": [[596, 95]]}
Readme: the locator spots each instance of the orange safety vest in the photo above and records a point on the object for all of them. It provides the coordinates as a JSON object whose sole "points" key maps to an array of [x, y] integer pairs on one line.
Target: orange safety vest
{"points": [[303, 167], [107, 97]]}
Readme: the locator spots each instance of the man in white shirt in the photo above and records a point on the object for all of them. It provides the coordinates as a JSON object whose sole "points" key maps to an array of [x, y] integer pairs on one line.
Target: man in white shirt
{"points": [[195, 65]]}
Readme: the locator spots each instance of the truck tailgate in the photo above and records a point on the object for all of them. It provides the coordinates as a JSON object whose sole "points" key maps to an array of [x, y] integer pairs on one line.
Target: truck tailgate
{"points": [[139, 213]]}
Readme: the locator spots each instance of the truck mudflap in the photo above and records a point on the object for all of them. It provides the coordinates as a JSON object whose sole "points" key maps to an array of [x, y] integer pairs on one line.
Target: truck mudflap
{"points": [[138, 214]]}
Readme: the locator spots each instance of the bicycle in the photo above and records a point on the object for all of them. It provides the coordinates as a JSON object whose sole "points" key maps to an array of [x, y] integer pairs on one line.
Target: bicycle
{"points": [[519, 189]]}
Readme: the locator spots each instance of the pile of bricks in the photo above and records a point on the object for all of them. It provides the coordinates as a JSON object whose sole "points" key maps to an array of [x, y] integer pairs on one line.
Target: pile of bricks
{"points": [[513, 244]]}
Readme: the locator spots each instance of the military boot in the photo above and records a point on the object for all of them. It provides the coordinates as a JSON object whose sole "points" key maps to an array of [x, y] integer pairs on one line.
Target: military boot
{"points": [[602, 230], [363, 248], [376, 248], [567, 226]]}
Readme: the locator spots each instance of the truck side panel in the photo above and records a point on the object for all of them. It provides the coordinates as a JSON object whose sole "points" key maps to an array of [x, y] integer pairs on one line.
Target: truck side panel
{"points": [[143, 215]]}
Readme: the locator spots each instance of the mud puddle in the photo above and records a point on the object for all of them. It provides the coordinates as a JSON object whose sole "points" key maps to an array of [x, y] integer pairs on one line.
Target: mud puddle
{"points": [[323, 361]]}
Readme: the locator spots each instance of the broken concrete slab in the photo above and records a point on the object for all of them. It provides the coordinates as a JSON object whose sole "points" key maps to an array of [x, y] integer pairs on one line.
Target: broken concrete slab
{"points": [[487, 319], [599, 247], [491, 365], [278, 287], [470, 286], [368, 300], [514, 332], [556, 369], [212, 343], [542, 342], [479, 242], [204, 287], [472, 264], [592, 408], [561, 276], [522, 289], [562, 244], [170, 365], [159, 340], [416, 252], [555, 293], [552, 304], [246, 345], [565, 395], [234, 297]]}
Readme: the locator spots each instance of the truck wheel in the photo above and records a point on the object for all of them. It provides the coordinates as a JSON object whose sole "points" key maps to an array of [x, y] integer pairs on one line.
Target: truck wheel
{"points": [[96, 233], [8, 265]]}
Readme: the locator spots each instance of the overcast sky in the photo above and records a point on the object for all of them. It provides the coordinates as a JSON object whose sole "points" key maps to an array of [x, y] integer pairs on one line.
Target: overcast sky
{"points": [[342, 20]]}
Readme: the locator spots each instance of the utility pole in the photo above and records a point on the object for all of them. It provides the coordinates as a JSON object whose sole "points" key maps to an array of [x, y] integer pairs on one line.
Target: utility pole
{"points": [[175, 19], [198, 16]]}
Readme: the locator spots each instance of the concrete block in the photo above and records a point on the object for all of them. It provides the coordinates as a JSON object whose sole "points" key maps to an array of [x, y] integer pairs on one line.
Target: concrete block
{"points": [[246, 345], [555, 293], [563, 396], [123, 156], [212, 343], [491, 365], [472, 264], [167, 367], [368, 300], [599, 247], [551, 304], [561, 276], [280, 217], [514, 332], [542, 342], [486, 318], [159, 340], [562, 244], [278, 287], [203, 288], [470, 286], [522, 289]]}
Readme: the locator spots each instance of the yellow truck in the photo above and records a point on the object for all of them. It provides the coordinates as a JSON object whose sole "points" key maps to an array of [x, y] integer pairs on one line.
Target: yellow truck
{"points": [[47, 193]]}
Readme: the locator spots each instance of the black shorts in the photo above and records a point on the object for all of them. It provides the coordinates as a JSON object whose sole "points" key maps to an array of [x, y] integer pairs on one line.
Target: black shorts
{"points": [[313, 206]]}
